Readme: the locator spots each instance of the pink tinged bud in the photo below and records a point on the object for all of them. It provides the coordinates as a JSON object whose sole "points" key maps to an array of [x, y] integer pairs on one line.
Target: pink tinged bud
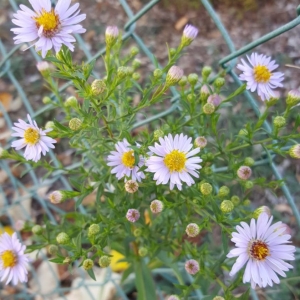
{"points": [[293, 97], [200, 142], [156, 206], [244, 172], [132, 215], [112, 31], [192, 266], [190, 32], [56, 197], [42, 66], [295, 151], [174, 75], [192, 230], [19, 225], [204, 90], [214, 99]]}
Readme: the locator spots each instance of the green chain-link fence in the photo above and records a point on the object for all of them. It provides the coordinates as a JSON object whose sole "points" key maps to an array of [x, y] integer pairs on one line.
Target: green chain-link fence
{"points": [[23, 192]]}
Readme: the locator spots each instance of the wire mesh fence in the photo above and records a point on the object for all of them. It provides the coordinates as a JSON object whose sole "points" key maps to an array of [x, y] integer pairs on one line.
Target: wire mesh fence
{"points": [[17, 208]]}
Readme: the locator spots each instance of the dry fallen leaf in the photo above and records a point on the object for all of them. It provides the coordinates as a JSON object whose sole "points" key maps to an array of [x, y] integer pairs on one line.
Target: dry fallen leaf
{"points": [[180, 23], [283, 208], [5, 99]]}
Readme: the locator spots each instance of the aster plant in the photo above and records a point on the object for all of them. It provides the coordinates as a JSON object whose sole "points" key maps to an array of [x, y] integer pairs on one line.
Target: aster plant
{"points": [[159, 191]]}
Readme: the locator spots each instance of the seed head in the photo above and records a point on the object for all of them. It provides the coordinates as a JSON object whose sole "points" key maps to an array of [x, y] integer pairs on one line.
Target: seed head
{"points": [[156, 206], [192, 230], [227, 206], [244, 172], [87, 264], [192, 266], [200, 142], [208, 108], [132, 215], [104, 261], [131, 186]]}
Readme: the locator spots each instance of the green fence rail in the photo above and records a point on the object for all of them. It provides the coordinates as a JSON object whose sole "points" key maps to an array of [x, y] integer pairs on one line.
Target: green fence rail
{"points": [[228, 63]]}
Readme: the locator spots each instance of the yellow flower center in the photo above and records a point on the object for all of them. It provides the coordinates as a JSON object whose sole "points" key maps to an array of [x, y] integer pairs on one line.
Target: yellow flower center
{"points": [[8, 258], [262, 74], [31, 136], [49, 20], [259, 250], [128, 159], [175, 161]]}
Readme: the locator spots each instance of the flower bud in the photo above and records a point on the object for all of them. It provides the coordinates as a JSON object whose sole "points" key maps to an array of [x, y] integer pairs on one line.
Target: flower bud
{"points": [[273, 99], [190, 97], [132, 215], [134, 51], [235, 200], [137, 232], [122, 72], [131, 186], [87, 264], [219, 82], [207, 170], [183, 81], [93, 229], [67, 260], [190, 32], [249, 161], [111, 35], [244, 172], [156, 206], [247, 202], [44, 68], [143, 251], [172, 51], [136, 63], [293, 97], [218, 298], [193, 78], [47, 100], [243, 132], [206, 188], [37, 229], [262, 209], [192, 230], [3, 153], [130, 71], [56, 197], [104, 261], [279, 122], [71, 102], [50, 124], [204, 93], [62, 238], [157, 73], [206, 72], [174, 75], [192, 266], [214, 99], [98, 87], [200, 142], [75, 124], [248, 185], [52, 249], [208, 108], [294, 151], [226, 206], [136, 76], [223, 191], [173, 297], [158, 133]]}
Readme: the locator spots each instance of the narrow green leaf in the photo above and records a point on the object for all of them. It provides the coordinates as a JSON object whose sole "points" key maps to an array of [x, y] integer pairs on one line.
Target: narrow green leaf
{"points": [[92, 274]]}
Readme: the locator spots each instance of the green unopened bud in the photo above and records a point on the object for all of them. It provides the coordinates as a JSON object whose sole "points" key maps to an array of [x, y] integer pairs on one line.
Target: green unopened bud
{"points": [[111, 35], [206, 188], [243, 132], [219, 82], [174, 75], [136, 63], [158, 133], [134, 51], [262, 209], [273, 100], [87, 264], [183, 81], [247, 202], [3, 153], [47, 100], [249, 161], [137, 232], [37, 229], [293, 97], [206, 72], [248, 185], [208, 108], [67, 260], [52, 249], [93, 229], [172, 51], [157, 73], [75, 124], [294, 151], [279, 122], [136, 76], [193, 78], [122, 72], [190, 97], [227, 206], [223, 191], [104, 261], [50, 124], [143, 251], [235, 200], [98, 87], [71, 102], [207, 171], [218, 298], [62, 238]]}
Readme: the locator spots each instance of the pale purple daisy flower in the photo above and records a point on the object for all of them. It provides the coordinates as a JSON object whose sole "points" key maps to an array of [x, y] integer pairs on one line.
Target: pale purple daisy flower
{"points": [[192, 266], [48, 27], [259, 75], [33, 138], [132, 215], [123, 161], [174, 161], [263, 248], [13, 261]]}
